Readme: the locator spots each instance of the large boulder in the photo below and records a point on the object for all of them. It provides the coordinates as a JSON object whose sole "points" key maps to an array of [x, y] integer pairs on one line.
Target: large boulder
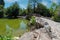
{"points": [[39, 34], [50, 31]]}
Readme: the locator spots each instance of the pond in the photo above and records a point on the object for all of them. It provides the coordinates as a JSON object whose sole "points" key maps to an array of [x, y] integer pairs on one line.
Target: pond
{"points": [[18, 26]]}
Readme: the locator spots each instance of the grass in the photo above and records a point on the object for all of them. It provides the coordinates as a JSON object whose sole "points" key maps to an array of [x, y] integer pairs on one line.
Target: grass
{"points": [[13, 23]]}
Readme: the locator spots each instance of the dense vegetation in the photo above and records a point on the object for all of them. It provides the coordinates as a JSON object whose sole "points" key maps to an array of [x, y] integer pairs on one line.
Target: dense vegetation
{"points": [[33, 7], [1, 8], [13, 11], [55, 12], [56, 16]]}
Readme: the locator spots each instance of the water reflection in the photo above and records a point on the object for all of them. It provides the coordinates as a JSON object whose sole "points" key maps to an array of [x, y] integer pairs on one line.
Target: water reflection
{"points": [[8, 28], [23, 25], [20, 30]]}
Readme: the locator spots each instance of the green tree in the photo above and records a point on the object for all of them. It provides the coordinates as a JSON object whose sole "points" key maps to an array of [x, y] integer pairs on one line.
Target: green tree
{"points": [[23, 12], [42, 10], [1, 8], [33, 3], [53, 8], [20, 11], [2, 2], [13, 11], [1, 11], [29, 11], [29, 8], [56, 16]]}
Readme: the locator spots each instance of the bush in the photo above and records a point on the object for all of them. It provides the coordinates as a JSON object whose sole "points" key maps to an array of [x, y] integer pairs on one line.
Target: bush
{"points": [[43, 10], [28, 17], [56, 16], [7, 36], [33, 21], [13, 11], [1, 11]]}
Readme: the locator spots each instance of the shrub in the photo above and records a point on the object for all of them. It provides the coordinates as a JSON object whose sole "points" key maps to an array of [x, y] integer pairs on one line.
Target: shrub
{"points": [[56, 16], [7, 36], [13, 11], [33, 21], [1, 11], [43, 10]]}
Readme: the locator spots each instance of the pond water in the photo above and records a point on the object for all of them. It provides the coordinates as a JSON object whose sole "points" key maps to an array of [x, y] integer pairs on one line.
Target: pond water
{"points": [[16, 26], [23, 26]]}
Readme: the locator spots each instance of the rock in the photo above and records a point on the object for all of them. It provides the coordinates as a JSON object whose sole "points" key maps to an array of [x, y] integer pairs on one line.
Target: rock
{"points": [[15, 38], [35, 26], [50, 31], [38, 25], [55, 28], [39, 34]]}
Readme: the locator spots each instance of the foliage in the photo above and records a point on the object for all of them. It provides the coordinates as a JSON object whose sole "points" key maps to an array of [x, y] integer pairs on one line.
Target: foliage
{"points": [[1, 8], [56, 16], [55, 11], [8, 36], [53, 8], [1, 11], [2, 2], [33, 21], [23, 12], [42, 10], [29, 8], [20, 11], [33, 3], [28, 17], [13, 11]]}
